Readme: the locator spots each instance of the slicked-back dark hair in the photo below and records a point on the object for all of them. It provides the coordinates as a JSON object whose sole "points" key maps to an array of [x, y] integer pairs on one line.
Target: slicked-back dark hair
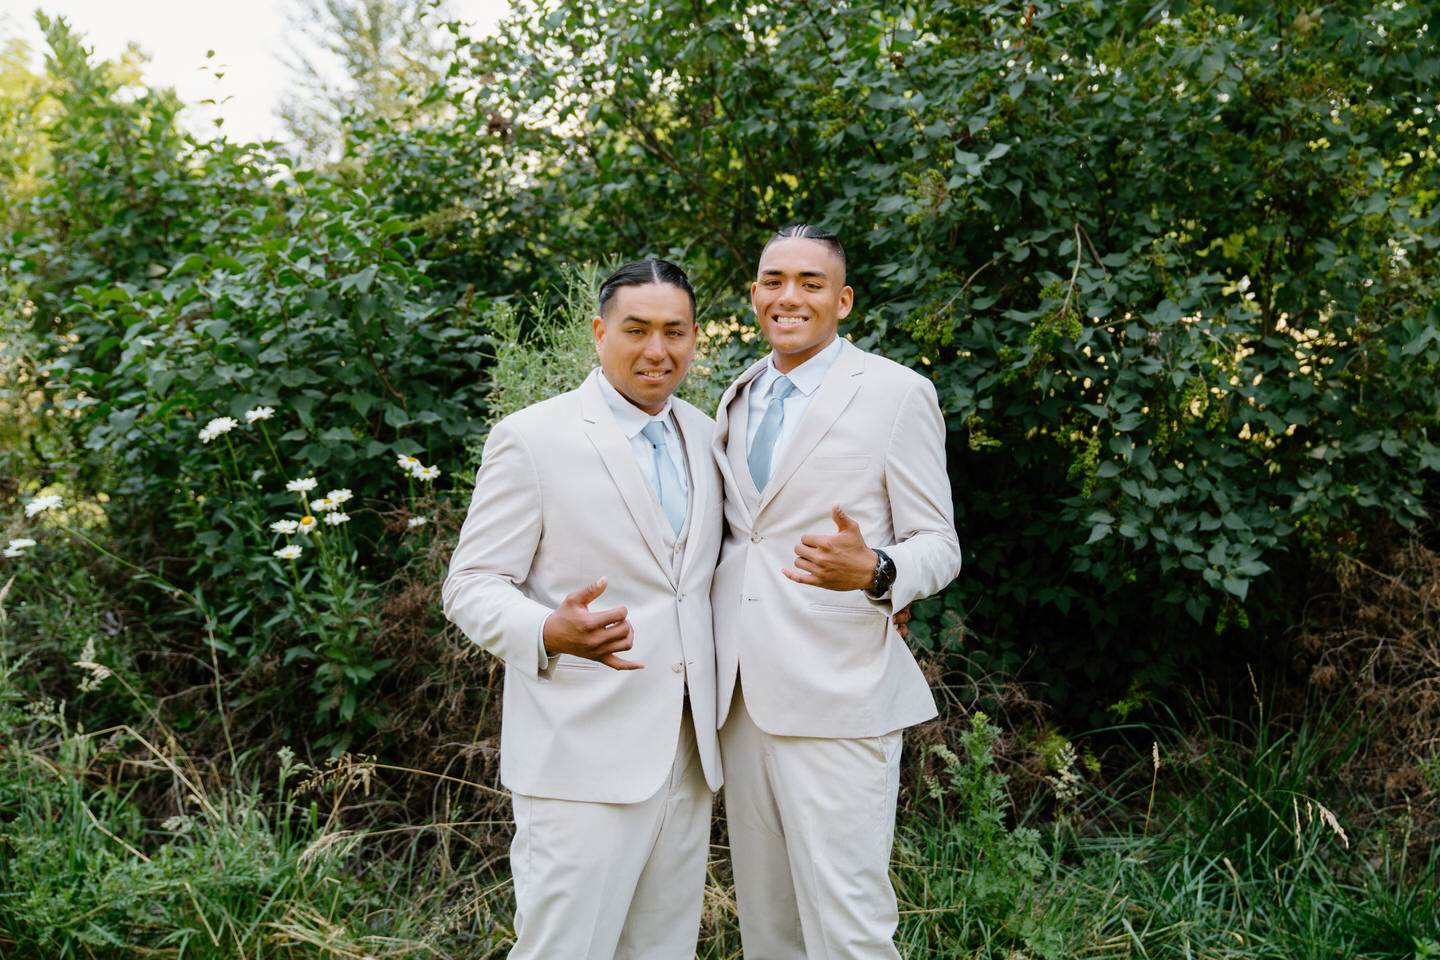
{"points": [[637, 273], [809, 231]]}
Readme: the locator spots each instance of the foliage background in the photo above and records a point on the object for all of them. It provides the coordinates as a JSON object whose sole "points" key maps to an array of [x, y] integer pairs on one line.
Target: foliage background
{"points": [[1172, 270]]}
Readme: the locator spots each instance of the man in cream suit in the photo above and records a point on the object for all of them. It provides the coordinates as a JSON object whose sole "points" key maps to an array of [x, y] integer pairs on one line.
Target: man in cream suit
{"points": [[608, 738], [838, 512]]}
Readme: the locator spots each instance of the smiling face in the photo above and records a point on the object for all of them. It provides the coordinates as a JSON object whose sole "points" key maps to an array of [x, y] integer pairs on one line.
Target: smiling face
{"points": [[800, 297], [646, 340]]}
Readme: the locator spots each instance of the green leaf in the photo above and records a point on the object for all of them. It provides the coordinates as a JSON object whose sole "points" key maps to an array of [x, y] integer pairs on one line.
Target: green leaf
{"points": [[360, 280], [1195, 606], [187, 264], [304, 405]]}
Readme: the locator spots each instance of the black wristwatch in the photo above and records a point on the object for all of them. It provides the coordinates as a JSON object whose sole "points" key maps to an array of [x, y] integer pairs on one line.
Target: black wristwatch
{"points": [[884, 573]]}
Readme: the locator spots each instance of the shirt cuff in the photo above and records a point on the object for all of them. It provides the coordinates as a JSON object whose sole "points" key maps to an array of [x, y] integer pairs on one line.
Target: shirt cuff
{"points": [[545, 658]]}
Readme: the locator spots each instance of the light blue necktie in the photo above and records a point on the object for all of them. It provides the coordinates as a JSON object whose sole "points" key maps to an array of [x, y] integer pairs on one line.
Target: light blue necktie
{"points": [[764, 446], [667, 479]]}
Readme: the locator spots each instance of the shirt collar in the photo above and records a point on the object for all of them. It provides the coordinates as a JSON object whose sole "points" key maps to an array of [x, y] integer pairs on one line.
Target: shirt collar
{"points": [[630, 418], [809, 375]]}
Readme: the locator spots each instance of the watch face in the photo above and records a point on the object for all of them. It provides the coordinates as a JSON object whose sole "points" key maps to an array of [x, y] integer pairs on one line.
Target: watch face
{"points": [[884, 573]]}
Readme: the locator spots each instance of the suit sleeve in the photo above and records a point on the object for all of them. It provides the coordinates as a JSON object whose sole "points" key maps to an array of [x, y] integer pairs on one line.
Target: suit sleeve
{"points": [[482, 593], [927, 551]]}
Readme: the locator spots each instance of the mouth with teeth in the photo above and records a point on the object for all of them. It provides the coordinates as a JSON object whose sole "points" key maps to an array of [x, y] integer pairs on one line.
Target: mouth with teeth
{"points": [[654, 376], [785, 320]]}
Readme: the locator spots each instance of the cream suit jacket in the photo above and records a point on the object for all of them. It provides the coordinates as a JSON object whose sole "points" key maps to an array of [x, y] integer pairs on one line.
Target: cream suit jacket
{"points": [[559, 502], [816, 662]]}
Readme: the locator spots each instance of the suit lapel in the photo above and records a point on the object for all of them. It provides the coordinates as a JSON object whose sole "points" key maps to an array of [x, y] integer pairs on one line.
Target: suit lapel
{"points": [[619, 459], [696, 433], [829, 402], [731, 427]]}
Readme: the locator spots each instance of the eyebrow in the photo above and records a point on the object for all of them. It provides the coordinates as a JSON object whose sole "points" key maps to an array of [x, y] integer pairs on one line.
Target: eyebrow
{"points": [[675, 322], [773, 272]]}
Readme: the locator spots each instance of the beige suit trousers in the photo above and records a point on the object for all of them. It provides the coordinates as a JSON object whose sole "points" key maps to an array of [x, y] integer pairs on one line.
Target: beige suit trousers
{"points": [[811, 858], [596, 881]]}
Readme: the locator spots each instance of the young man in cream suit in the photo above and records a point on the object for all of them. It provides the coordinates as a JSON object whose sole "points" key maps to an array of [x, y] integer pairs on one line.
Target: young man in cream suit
{"points": [[608, 739], [838, 512]]}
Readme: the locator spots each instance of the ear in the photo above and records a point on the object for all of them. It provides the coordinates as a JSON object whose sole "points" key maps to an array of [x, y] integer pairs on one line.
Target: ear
{"points": [[754, 285], [847, 300], [598, 327]]}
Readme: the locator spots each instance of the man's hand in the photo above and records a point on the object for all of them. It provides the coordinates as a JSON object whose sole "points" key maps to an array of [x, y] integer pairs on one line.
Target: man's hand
{"points": [[837, 561], [595, 635], [902, 621]]}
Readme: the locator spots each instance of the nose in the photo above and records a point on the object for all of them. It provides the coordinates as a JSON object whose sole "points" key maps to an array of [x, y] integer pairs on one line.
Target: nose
{"points": [[789, 295], [655, 346]]}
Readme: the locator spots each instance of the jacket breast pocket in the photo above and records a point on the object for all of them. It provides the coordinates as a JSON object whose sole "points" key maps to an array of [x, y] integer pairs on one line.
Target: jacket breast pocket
{"points": [[860, 611], [568, 662]]}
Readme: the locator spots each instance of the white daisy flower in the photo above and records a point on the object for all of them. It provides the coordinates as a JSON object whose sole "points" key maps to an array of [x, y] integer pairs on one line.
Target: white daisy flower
{"points": [[301, 485], [259, 413], [20, 543], [48, 501], [427, 473], [291, 552], [323, 504], [216, 427], [339, 496], [408, 463], [416, 522], [335, 519], [285, 526], [307, 524], [11, 552]]}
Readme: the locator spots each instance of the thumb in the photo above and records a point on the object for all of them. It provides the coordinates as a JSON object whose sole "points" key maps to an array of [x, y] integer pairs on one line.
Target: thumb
{"points": [[587, 593], [843, 522]]}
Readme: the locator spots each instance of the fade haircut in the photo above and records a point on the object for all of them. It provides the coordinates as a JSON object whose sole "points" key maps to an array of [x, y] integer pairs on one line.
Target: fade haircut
{"points": [[638, 273], [809, 231]]}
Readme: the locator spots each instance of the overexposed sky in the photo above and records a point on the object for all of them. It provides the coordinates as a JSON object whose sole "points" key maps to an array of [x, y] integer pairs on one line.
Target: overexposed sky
{"points": [[248, 37]]}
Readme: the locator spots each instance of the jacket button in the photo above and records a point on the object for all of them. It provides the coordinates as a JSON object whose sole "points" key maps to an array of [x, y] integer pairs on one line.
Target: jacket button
{"points": [[677, 667], [756, 538]]}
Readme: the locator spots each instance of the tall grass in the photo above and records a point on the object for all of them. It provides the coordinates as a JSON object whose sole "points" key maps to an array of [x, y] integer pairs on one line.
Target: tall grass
{"points": [[1225, 839], [114, 843], [1241, 858]]}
